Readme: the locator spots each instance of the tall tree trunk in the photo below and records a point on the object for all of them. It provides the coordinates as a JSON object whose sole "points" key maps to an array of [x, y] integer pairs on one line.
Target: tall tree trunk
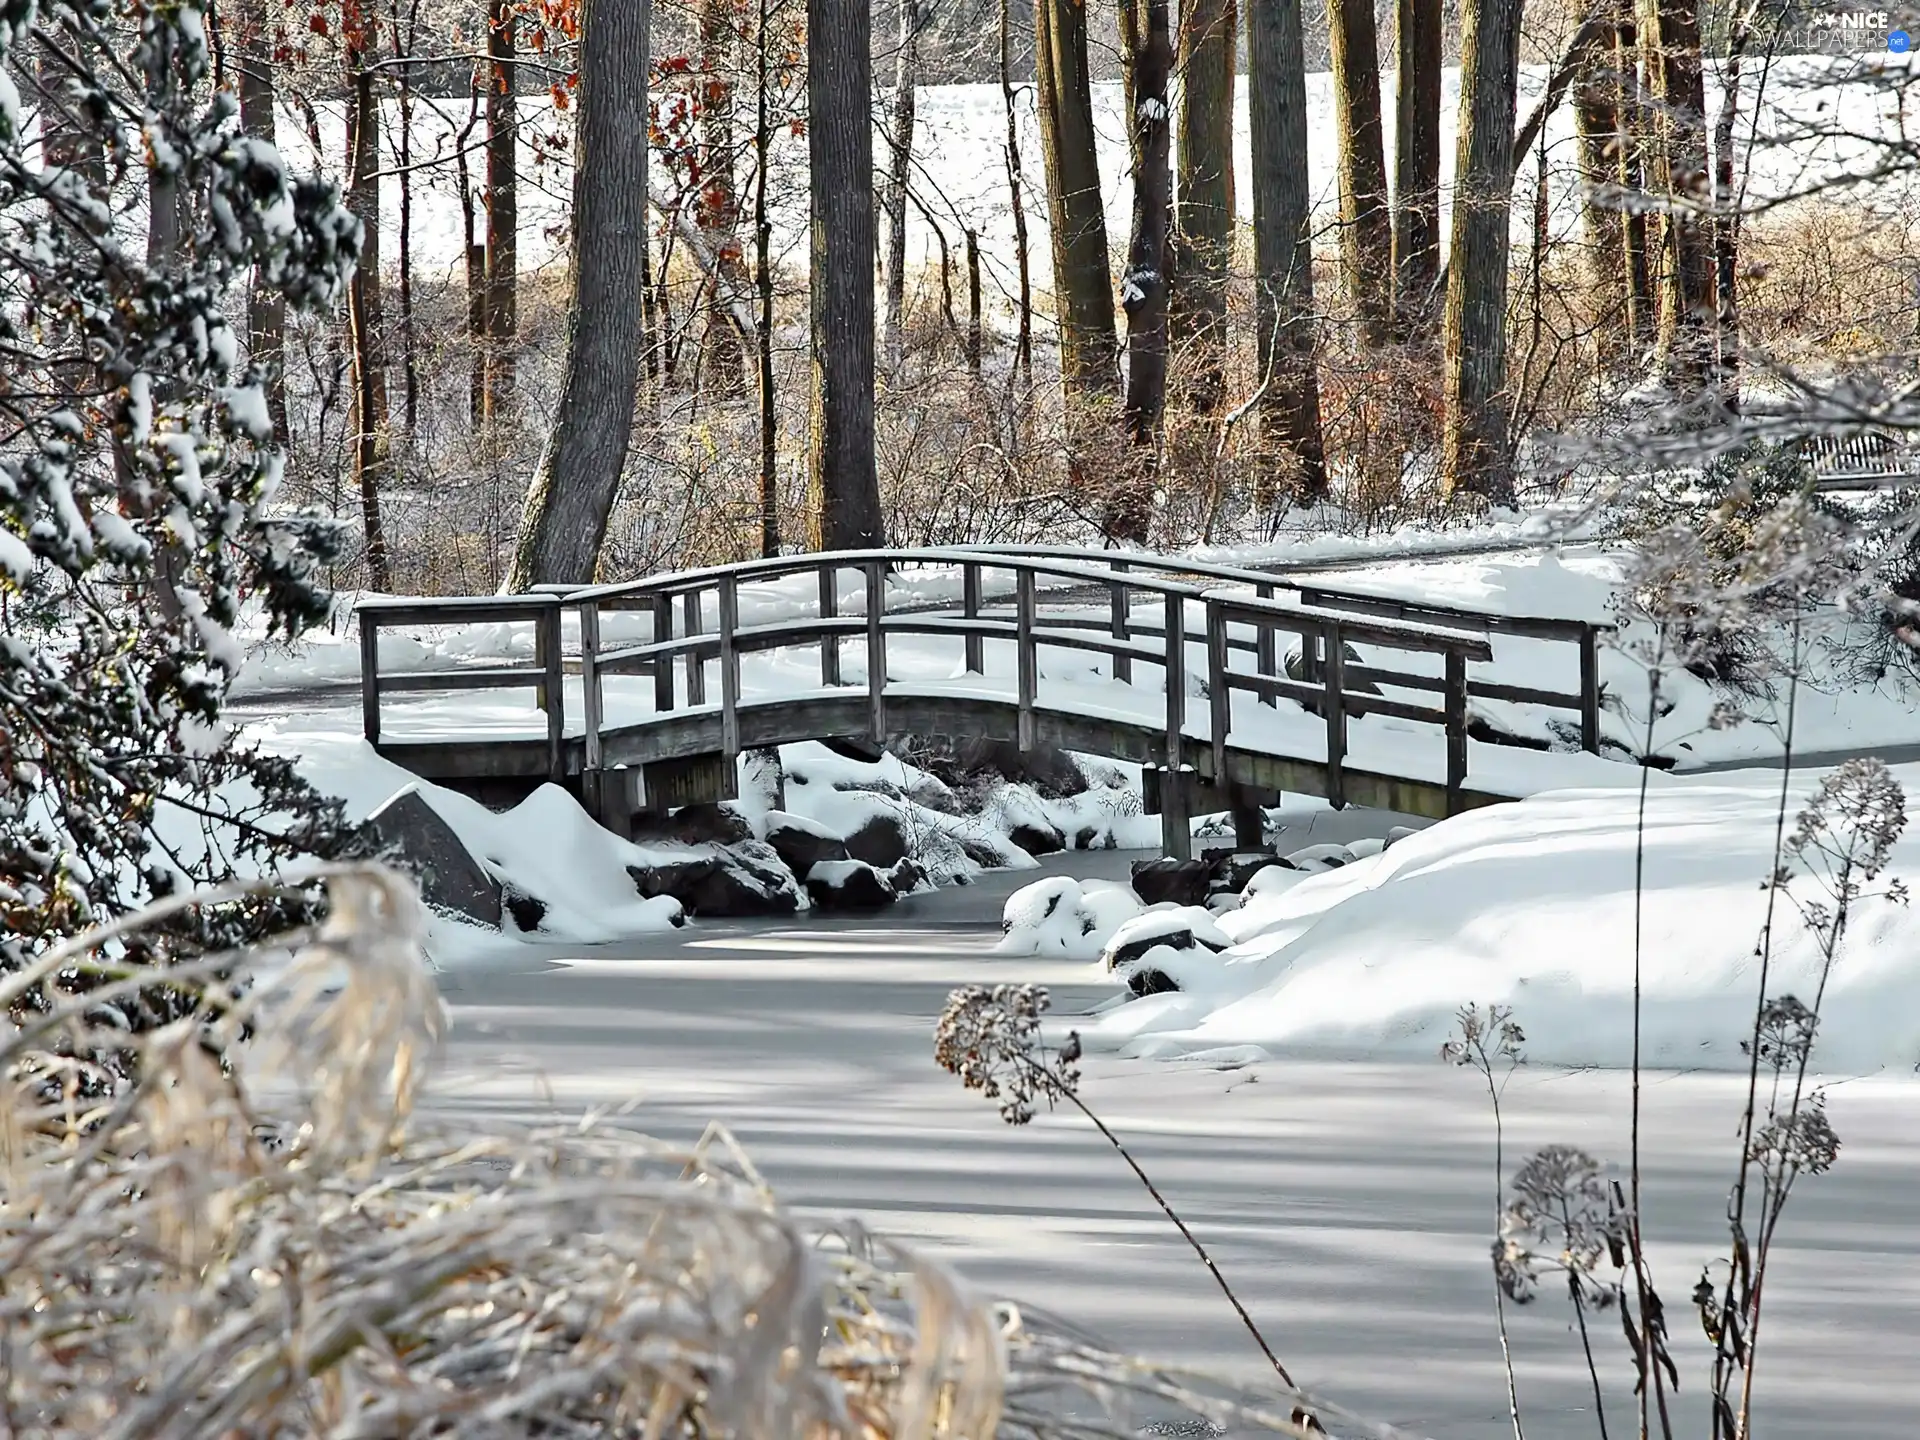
{"points": [[1475, 457], [906, 75], [1130, 19], [1687, 319], [1143, 289], [266, 307], [1416, 168], [718, 211], [365, 313], [409, 348], [503, 206], [1203, 223], [578, 478], [763, 288], [1637, 228], [1726, 216], [1282, 253], [476, 263], [843, 483], [1022, 254], [1598, 121], [1366, 222], [1082, 281]]}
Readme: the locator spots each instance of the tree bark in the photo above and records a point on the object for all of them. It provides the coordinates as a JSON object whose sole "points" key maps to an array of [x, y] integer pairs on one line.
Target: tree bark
{"points": [[1143, 289], [1726, 217], [365, 313], [1416, 168], [906, 75], [1635, 224], [1203, 224], [1022, 254], [578, 478], [1687, 318], [503, 207], [763, 289], [719, 203], [843, 483], [266, 307], [1290, 436], [1475, 457], [1598, 122], [1366, 222], [1082, 281], [409, 346], [476, 264]]}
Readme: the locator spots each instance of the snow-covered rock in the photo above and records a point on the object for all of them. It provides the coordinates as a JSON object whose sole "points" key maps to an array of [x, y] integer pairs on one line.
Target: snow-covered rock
{"points": [[1064, 917], [849, 885], [720, 881]]}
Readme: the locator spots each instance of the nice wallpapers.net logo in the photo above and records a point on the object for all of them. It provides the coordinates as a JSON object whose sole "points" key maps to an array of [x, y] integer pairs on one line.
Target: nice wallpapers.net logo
{"points": [[1847, 32]]}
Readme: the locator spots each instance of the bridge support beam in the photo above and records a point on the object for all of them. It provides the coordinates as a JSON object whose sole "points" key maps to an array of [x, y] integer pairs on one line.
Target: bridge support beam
{"points": [[1174, 792]]}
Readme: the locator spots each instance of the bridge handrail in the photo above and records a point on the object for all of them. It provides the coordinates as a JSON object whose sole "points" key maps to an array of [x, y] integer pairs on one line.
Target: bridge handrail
{"points": [[1231, 599]]}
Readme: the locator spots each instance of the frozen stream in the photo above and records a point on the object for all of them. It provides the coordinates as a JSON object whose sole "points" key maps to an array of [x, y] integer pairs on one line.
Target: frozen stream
{"points": [[1350, 1203]]}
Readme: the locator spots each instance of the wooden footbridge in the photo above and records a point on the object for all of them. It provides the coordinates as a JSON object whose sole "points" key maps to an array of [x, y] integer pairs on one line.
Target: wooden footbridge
{"points": [[1228, 685]]}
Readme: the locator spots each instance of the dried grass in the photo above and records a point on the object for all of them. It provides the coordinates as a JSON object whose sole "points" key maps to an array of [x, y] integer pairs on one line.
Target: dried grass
{"points": [[258, 1236]]}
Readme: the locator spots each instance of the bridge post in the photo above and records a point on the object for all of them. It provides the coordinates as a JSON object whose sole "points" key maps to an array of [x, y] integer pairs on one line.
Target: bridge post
{"points": [[592, 700], [1028, 659], [970, 607], [728, 604], [1336, 705], [1176, 671], [1176, 812], [369, 676], [662, 664], [829, 644], [696, 665], [553, 694], [877, 650], [1590, 689], [1263, 663], [1219, 687], [1122, 630], [1456, 728]]}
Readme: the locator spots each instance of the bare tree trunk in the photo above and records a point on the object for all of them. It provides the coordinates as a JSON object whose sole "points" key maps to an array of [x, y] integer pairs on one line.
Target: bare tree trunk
{"points": [[1366, 221], [843, 483], [763, 287], [1726, 217], [578, 478], [1416, 168], [1023, 349], [409, 348], [1687, 316], [1635, 223], [974, 326], [1130, 20], [1475, 458], [503, 207], [1598, 120], [365, 318], [266, 307], [906, 75], [476, 264], [718, 209], [1143, 289], [1203, 225], [1283, 257], [1082, 282]]}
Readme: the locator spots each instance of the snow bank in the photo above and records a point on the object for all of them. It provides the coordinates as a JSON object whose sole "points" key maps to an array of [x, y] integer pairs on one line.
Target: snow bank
{"points": [[1532, 905]]}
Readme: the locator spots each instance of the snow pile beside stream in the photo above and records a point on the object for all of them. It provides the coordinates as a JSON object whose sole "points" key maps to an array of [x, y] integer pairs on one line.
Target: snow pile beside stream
{"points": [[1531, 905]]}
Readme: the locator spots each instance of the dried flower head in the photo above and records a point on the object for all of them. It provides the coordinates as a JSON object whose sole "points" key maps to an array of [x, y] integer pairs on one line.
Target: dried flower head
{"points": [[1785, 1034], [1802, 1141], [1561, 1218], [990, 1038], [1484, 1036], [1853, 820]]}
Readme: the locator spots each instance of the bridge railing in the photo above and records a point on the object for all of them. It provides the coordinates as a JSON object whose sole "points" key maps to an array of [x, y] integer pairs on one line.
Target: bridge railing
{"points": [[544, 676], [990, 594]]}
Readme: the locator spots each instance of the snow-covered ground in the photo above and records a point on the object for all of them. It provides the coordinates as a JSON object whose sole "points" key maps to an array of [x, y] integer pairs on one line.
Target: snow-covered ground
{"points": [[1350, 1203]]}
